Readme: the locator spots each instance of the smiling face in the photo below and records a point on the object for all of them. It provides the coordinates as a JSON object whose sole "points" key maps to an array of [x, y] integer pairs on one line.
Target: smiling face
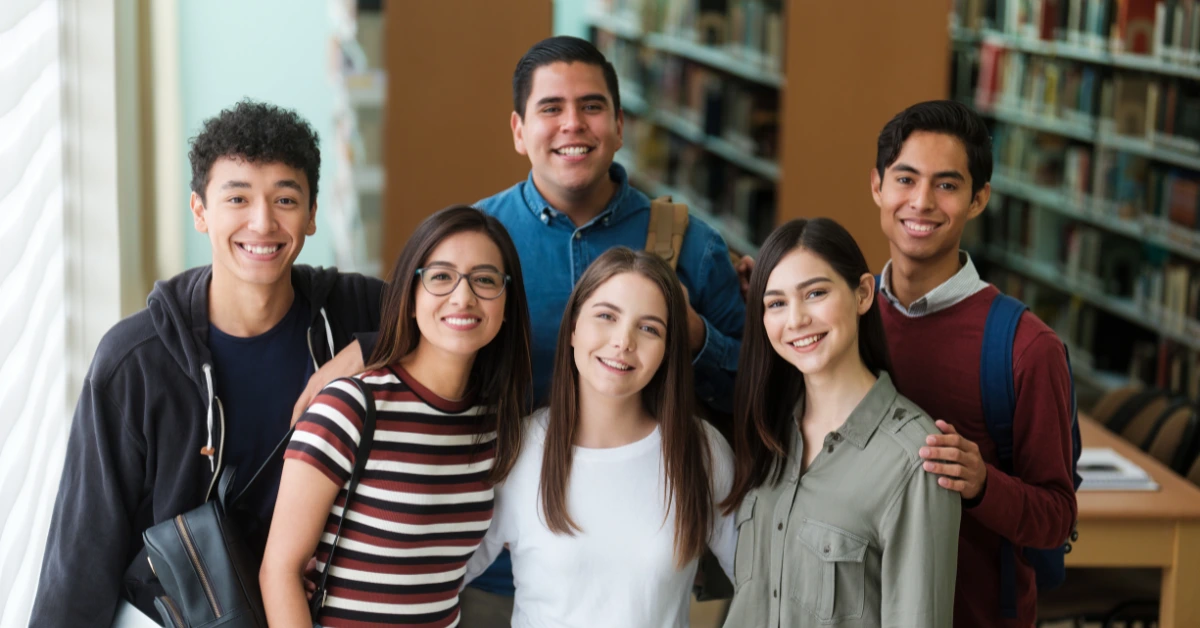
{"points": [[620, 336], [925, 198], [811, 314], [256, 216], [570, 132], [460, 323]]}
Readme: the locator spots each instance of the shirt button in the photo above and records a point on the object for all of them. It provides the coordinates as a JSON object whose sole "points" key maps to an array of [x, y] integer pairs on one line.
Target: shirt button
{"points": [[578, 234], [831, 449], [836, 437], [825, 549], [780, 526], [775, 593]]}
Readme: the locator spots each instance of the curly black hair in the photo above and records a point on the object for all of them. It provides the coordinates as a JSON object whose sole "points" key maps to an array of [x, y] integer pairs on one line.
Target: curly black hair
{"points": [[258, 133]]}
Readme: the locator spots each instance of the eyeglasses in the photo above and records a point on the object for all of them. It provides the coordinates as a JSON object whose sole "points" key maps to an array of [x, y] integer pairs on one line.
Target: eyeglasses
{"points": [[486, 284]]}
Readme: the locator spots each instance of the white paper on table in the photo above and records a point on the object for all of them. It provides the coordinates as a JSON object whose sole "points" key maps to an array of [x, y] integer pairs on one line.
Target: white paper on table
{"points": [[1103, 469]]}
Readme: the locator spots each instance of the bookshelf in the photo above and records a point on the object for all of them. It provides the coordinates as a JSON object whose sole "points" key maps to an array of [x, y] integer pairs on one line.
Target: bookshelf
{"points": [[823, 100], [1095, 114], [700, 89], [723, 97]]}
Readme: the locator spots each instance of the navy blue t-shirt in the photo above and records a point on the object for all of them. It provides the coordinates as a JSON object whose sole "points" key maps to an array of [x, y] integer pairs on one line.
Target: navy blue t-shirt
{"points": [[258, 380]]}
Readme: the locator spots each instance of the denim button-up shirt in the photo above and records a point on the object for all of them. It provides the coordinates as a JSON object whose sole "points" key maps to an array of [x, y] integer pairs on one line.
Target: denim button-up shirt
{"points": [[554, 253]]}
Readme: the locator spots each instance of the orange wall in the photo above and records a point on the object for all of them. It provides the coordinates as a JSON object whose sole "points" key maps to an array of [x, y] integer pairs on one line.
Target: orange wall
{"points": [[851, 66], [447, 137]]}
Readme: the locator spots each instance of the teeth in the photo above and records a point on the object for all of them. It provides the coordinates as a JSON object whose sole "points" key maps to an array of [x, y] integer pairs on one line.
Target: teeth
{"points": [[922, 228], [804, 342], [262, 250], [461, 321], [574, 151], [616, 365]]}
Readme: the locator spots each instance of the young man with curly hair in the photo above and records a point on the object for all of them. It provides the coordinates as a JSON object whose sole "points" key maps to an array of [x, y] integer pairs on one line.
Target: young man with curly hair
{"points": [[205, 377]]}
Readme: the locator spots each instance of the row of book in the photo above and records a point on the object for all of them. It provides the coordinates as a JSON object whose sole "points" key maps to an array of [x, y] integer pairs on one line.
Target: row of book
{"points": [[1101, 340], [1166, 29], [1165, 110], [741, 112], [1105, 263], [1101, 181], [744, 114], [662, 162], [750, 30]]}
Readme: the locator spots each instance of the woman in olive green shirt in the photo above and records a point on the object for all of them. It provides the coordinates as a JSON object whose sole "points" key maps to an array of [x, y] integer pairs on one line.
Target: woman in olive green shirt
{"points": [[837, 523]]}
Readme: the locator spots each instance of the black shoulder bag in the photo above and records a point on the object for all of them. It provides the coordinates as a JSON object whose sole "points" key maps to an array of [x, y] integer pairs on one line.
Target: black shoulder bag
{"points": [[205, 565]]}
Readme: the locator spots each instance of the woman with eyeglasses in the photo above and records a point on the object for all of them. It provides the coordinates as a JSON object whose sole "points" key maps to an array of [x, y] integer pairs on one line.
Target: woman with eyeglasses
{"points": [[449, 376]]}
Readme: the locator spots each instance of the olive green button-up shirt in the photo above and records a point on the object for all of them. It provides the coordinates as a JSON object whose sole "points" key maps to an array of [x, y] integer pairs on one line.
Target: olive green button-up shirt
{"points": [[864, 537]]}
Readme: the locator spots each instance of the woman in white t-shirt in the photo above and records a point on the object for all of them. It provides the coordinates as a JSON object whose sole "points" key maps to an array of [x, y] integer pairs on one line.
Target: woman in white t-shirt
{"points": [[612, 499]]}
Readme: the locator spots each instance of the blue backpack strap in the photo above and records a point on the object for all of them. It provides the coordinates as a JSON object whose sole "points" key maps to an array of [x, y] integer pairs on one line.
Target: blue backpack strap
{"points": [[999, 404]]}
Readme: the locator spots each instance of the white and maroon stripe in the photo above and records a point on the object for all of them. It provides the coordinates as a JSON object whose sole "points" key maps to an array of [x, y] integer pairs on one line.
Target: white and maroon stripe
{"points": [[421, 508]]}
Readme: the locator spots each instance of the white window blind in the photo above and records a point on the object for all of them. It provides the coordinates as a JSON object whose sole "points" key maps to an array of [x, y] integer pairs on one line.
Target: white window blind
{"points": [[34, 416]]}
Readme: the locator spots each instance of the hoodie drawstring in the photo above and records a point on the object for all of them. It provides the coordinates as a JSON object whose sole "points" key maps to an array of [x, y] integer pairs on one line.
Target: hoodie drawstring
{"points": [[328, 338], [208, 447], [328, 332]]}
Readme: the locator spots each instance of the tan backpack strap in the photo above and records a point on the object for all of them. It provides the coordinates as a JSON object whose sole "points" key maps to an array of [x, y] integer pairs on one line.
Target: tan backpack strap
{"points": [[668, 223]]}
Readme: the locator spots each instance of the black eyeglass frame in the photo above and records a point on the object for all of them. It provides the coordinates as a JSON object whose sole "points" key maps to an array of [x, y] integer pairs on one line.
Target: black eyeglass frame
{"points": [[503, 286]]}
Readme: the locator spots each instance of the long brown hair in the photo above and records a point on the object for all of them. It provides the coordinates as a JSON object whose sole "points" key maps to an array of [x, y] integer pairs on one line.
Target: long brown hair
{"points": [[768, 387], [668, 397], [501, 374]]}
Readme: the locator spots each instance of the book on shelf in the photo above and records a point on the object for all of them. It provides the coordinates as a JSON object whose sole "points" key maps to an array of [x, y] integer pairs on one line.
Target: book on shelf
{"points": [[750, 31], [660, 163], [705, 123], [1165, 29], [1103, 469]]}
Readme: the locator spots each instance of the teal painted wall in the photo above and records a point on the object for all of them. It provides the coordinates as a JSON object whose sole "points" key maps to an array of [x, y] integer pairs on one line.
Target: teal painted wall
{"points": [[569, 17], [271, 50]]}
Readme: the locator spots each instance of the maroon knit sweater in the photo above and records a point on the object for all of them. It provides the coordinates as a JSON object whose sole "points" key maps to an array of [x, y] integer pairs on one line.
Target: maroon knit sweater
{"points": [[936, 364]]}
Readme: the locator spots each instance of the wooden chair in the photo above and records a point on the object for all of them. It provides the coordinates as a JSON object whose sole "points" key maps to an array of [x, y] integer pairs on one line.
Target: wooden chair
{"points": [[1140, 428], [1172, 441], [1112, 401], [1122, 416]]}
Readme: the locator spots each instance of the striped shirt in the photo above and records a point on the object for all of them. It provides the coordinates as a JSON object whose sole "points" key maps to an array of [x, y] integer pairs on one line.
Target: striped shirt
{"points": [[964, 283], [420, 509]]}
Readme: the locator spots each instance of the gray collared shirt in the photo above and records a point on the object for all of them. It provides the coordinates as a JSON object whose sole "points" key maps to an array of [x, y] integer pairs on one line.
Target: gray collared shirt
{"points": [[963, 284], [861, 538]]}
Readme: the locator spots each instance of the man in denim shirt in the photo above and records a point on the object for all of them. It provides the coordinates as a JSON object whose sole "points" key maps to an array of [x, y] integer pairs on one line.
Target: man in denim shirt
{"points": [[576, 204]]}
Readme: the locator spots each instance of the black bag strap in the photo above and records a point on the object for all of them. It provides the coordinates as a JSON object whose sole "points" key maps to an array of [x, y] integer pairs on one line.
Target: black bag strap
{"points": [[227, 476], [366, 439]]}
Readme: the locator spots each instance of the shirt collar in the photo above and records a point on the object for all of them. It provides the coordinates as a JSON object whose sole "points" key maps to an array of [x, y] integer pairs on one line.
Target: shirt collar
{"points": [[866, 417], [859, 427], [542, 209], [963, 284]]}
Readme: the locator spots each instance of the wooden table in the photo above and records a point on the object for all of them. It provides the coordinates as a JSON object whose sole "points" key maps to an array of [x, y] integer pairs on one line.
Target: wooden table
{"points": [[1144, 529]]}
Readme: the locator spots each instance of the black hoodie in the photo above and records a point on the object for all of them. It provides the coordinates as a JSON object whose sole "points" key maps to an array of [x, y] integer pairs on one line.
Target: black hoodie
{"points": [[134, 455]]}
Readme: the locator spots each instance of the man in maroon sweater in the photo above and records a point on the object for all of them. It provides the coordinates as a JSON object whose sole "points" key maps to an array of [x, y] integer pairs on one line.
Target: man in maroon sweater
{"points": [[931, 176]]}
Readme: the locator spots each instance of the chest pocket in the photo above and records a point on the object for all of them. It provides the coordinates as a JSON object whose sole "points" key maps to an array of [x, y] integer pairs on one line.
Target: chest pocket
{"points": [[831, 581], [744, 557]]}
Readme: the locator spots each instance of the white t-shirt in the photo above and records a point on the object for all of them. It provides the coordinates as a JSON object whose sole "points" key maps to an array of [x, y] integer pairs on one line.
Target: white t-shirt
{"points": [[620, 569]]}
